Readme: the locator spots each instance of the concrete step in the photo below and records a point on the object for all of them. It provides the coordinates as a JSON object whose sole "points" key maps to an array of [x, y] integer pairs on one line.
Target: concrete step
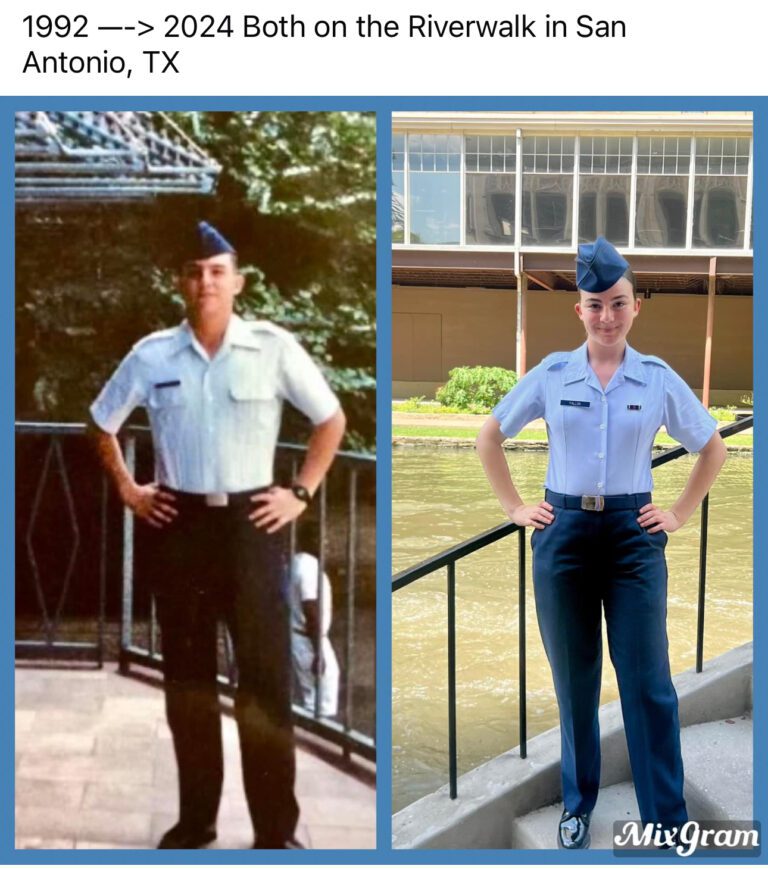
{"points": [[718, 786], [718, 769], [539, 829]]}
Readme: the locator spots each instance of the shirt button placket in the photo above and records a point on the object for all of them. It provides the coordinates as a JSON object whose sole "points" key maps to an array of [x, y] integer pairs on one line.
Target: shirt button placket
{"points": [[603, 442], [208, 424]]}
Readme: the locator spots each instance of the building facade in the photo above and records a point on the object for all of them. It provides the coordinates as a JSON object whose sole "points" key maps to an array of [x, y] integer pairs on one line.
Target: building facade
{"points": [[488, 210]]}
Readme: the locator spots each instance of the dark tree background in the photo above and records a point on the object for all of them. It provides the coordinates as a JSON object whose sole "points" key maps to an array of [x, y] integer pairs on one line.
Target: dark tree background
{"points": [[296, 196]]}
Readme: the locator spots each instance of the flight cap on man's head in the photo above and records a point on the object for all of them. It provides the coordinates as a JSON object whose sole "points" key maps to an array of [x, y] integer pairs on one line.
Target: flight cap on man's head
{"points": [[598, 266], [204, 241]]}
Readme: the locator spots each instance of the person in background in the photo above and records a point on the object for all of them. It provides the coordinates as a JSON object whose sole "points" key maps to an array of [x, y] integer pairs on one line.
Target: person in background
{"points": [[311, 649]]}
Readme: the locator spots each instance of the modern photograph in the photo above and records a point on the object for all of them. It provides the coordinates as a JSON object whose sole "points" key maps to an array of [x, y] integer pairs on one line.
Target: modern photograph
{"points": [[572, 477]]}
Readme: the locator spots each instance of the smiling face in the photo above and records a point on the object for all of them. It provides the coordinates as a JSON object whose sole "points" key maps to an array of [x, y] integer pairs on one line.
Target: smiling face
{"points": [[209, 287], [608, 316]]}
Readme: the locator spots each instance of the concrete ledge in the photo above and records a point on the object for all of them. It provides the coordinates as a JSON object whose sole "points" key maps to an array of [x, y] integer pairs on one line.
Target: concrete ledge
{"points": [[507, 786]]}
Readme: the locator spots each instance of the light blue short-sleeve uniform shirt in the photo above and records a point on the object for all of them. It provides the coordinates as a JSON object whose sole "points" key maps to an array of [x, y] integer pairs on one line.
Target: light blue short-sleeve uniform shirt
{"points": [[600, 440], [215, 421]]}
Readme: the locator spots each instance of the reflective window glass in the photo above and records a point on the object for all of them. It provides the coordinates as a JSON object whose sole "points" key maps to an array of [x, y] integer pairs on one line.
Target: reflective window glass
{"points": [[398, 206], [547, 210], [604, 208], [663, 155], [662, 202], [490, 208], [719, 211], [434, 207], [434, 163], [489, 153], [605, 154], [716, 156]]}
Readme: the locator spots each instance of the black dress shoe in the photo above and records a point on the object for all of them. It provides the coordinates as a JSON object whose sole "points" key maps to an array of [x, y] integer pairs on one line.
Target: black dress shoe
{"points": [[185, 837], [573, 831]]}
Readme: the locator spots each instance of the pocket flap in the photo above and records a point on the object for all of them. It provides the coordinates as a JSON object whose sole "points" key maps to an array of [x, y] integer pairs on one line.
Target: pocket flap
{"points": [[168, 394], [252, 390]]}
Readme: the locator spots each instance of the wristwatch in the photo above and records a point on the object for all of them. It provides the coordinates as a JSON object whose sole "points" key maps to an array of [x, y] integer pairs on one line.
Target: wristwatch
{"points": [[302, 493]]}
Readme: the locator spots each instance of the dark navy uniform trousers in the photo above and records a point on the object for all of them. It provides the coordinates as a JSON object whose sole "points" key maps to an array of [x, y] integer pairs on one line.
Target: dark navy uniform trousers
{"points": [[584, 563], [212, 564]]}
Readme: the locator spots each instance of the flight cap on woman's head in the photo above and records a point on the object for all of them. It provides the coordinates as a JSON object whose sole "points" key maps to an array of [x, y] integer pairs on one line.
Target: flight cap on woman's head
{"points": [[598, 266]]}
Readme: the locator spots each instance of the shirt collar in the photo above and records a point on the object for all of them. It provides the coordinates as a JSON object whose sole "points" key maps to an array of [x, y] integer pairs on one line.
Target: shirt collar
{"points": [[578, 367], [238, 334], [633, 366], [241, 334]]}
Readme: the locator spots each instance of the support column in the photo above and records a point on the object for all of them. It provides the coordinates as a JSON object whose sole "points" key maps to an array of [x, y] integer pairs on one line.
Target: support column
{"points": [[710, 329], [522, 308]]}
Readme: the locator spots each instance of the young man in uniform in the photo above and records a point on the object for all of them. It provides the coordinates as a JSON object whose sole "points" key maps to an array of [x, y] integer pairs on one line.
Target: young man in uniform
{"points": [[213, 388]]}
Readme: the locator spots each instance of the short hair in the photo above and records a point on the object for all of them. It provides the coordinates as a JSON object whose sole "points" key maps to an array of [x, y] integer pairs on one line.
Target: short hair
{"points": [[629, 275]]}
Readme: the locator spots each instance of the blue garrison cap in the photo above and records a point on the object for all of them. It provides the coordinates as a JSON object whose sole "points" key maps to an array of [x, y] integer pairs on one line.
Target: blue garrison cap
{"points": [[599, 266], [204, 241]]}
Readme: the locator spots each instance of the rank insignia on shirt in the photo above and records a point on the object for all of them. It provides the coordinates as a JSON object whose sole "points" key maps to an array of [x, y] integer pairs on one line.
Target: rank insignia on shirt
{"points": [[166, 383], [634, 407], [568, 403]]}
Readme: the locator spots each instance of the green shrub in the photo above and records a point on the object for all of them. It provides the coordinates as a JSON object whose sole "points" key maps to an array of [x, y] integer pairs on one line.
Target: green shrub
{"points": [[747, 400], [723, 414], [476, 390]]}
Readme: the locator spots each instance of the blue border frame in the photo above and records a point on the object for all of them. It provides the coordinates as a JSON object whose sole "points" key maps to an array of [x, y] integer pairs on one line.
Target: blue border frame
{"points": [[383, 105]]}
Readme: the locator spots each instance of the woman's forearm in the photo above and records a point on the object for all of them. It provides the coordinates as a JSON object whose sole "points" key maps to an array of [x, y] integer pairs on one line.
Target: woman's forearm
{"points": [[491, 453], [702, 477]]}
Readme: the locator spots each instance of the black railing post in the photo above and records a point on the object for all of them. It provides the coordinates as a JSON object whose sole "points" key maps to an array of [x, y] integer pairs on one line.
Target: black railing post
{"points": [[702, 584], [349, 628], [521, 640], [102, 568], [452, 752], [126, 612]]}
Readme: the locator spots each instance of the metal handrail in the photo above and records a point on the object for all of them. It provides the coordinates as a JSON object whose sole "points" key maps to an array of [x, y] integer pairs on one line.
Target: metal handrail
{"points": [[449, 557], [133, 649]]}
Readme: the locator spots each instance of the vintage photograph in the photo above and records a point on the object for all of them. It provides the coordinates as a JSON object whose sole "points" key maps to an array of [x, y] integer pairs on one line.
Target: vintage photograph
{"points": [[572, 476], [195, 479]]}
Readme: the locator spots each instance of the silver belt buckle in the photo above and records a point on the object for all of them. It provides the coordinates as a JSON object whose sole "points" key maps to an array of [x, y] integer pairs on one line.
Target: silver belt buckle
{"points": [[216, 499], [592, 502]]}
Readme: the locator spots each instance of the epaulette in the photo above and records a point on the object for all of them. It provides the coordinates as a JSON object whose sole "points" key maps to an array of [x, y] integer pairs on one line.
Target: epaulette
{"points": [[153, 337], [654, 360], [555, 360], [261, 326]]}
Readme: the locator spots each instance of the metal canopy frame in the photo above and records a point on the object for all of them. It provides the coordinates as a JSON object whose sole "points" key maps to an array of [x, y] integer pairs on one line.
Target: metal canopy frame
{"points": [[106, 156]]}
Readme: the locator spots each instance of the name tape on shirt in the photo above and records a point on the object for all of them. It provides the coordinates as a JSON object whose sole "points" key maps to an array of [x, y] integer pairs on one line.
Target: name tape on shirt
{"points": [[569, 403]]}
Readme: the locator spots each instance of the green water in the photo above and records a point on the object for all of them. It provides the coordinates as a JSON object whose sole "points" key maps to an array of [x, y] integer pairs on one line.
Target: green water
{"points": [[440, 497]]}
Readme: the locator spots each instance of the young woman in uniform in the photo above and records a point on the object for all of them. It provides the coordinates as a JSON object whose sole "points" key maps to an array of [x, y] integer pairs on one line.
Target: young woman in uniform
{"points": [[598, 540]]}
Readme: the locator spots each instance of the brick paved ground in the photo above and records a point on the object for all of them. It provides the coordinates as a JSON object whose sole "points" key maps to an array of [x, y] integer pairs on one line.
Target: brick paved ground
{"points": [[95, 769]]}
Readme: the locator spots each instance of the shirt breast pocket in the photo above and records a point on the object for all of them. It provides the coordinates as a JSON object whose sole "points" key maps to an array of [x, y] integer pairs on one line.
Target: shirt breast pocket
{"points": [[575, 413], [167, 398], [254, 409]]}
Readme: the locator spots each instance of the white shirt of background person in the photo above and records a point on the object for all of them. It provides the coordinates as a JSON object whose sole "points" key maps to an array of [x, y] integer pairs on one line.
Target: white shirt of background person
{"points": [[304, 570]]}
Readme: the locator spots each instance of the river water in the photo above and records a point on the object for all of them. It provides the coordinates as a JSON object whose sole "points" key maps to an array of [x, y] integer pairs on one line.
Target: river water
{"points": [[441, 497]]}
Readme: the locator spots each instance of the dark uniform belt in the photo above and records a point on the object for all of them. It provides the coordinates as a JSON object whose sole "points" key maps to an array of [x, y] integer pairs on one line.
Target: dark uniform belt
{"points": [[213, 499], [598, 502]]}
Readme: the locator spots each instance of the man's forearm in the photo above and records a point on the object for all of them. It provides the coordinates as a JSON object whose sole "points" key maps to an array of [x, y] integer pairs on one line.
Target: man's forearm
{"points": [[112, 460], [322, 447]]}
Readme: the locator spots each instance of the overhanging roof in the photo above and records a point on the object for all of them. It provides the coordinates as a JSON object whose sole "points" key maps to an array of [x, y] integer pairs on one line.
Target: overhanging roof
{"points": [[675, 273], [106, 156]]}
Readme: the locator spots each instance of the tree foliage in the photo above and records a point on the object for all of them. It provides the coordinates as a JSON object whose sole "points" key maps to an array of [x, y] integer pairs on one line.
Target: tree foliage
{"points": [[296, 196]]}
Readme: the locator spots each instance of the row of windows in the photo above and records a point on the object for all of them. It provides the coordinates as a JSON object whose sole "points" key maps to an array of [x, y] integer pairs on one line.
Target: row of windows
{"points": [[662, 175]]}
